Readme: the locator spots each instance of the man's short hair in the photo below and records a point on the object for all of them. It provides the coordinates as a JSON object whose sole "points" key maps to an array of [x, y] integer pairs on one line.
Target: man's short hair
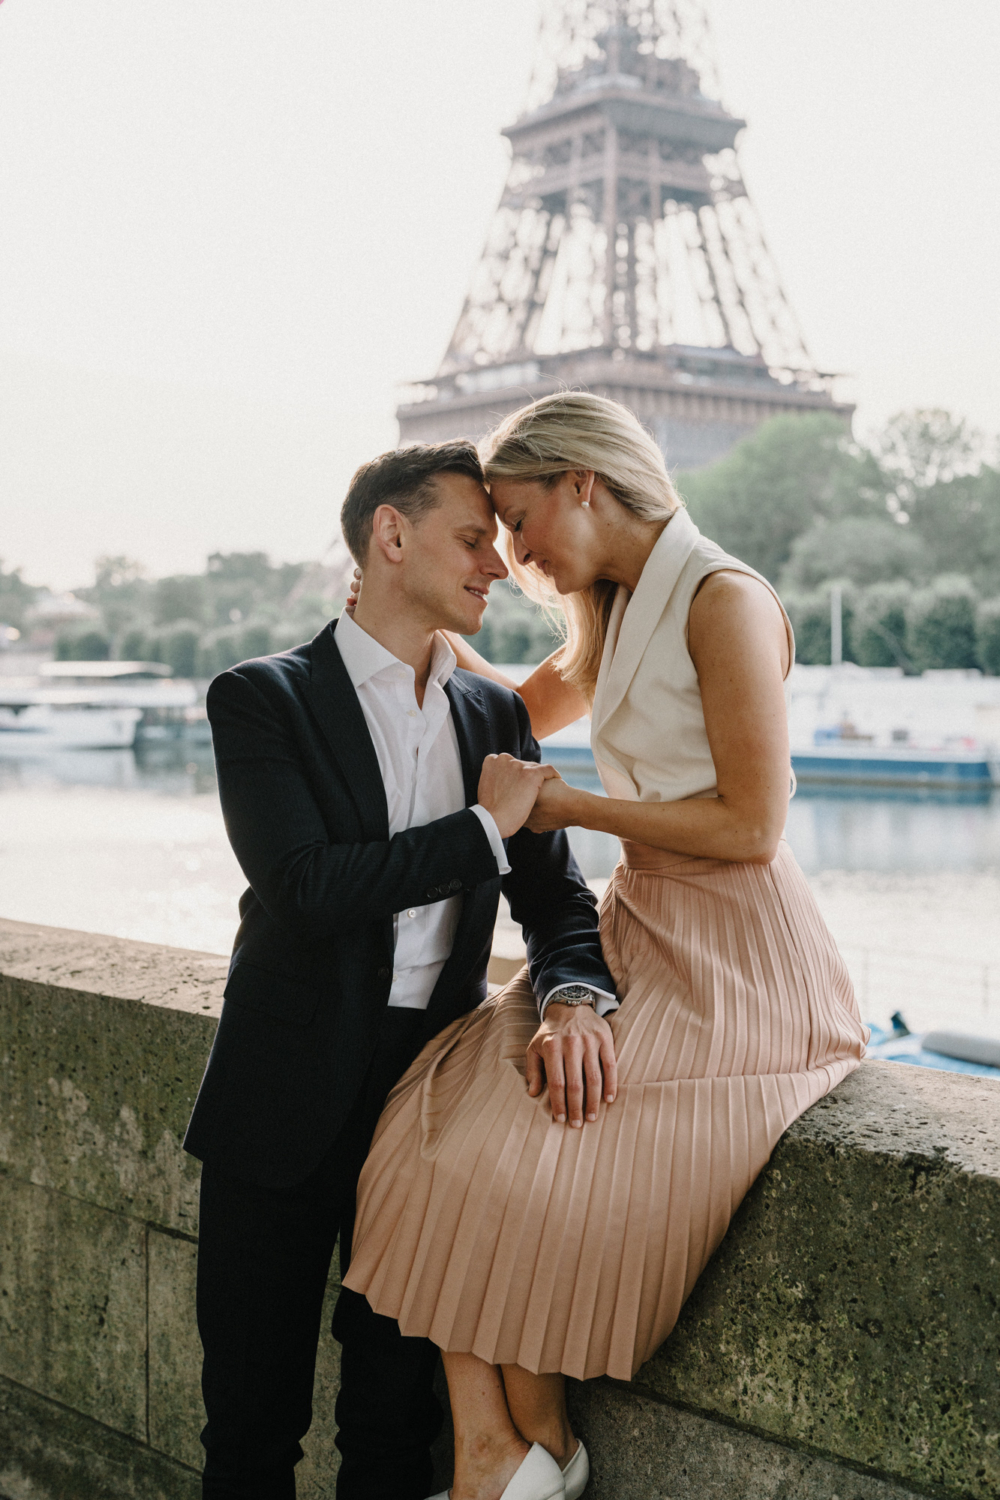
{"points": [[404, 479]]}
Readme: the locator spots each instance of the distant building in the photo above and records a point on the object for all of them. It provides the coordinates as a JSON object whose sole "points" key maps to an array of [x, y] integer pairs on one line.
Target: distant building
{"points": [[625, 256], [51, 613]]}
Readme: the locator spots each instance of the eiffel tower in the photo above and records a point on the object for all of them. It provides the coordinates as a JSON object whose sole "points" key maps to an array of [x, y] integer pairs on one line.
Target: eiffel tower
{"points": [[625, 256]]}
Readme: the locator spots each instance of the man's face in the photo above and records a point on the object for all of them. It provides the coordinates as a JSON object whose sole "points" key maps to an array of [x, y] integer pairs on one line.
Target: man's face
{"points": [[450, 557]]}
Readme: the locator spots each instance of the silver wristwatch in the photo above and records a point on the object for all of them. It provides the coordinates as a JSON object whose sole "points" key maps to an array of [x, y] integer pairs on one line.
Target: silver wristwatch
{"points": [[572, 994]]}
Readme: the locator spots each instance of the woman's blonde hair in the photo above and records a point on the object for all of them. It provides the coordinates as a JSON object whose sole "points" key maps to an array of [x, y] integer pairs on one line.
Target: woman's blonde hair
{"points": [[543, 441]]}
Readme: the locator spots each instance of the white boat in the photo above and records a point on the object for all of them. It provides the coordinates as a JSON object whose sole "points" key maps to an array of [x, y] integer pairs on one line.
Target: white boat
{"points": [[90, 705], [33, 723]]}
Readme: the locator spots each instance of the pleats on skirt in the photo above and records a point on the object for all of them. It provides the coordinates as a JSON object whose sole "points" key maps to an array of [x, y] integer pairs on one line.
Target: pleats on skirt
{"points": [[488, 1227]]}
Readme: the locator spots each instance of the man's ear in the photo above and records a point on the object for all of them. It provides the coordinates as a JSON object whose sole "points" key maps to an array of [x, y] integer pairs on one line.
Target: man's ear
{"points": [[388, 527]]}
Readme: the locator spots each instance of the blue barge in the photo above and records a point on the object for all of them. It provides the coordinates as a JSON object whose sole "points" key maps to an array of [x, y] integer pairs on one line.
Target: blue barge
{"points": [[902, 765], [839, 764]]}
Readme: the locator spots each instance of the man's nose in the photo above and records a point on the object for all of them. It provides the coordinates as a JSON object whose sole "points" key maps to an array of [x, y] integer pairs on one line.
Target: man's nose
{"points": [[495, 565]]}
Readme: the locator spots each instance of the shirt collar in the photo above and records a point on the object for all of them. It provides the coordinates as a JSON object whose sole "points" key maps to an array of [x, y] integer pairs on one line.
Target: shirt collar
{"points": [[364, 657]]}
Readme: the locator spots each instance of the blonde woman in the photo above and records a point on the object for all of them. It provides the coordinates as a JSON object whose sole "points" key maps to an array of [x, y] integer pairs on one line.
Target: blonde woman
{"points": [[528, 1248]]}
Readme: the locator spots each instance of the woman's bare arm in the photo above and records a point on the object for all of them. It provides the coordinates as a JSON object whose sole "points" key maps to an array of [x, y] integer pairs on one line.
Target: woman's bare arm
{"points": [[739, 646], [551, 702], [471, 661]]}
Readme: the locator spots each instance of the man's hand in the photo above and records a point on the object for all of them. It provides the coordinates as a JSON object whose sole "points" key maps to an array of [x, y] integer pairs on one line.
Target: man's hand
{"points": [[573, 1050], [508, 788]]}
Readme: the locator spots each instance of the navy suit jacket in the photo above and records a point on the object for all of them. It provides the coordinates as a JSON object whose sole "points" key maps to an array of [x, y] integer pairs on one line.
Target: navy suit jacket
{"points": [[305, 810]]}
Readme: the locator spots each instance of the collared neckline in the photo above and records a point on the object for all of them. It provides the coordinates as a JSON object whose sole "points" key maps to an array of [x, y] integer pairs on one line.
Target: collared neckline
{"points": [[364, 657], [635, 615]]}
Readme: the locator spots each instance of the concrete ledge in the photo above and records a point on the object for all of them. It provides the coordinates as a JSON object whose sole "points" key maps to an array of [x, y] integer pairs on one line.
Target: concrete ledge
{"points": [[853, 1307], [643, 1449], [844, 1343], [51, 1452]]}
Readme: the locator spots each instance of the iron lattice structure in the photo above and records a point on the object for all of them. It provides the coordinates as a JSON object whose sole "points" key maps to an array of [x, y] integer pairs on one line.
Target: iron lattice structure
{"points": [[625, 254]]}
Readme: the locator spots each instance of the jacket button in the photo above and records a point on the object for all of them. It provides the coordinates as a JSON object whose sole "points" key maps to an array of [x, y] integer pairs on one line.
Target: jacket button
{"points": [[456, 885], [384, 973]]}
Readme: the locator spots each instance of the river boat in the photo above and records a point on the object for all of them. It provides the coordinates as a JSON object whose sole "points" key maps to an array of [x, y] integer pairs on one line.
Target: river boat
{"points": [[33, 723], [835, 760], [946, 1051], [859, 761], [99, 705]]}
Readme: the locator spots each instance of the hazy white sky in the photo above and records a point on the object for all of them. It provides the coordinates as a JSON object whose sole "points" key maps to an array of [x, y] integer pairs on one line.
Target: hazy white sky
{"points": [[229, 228]]}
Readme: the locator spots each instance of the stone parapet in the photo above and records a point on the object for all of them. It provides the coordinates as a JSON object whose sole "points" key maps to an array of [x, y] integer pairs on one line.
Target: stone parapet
{"points": [[843, 1344]]}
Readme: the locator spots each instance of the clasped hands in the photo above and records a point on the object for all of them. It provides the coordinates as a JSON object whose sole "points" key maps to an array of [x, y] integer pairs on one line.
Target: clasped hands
{"points": [[572, 1052], [524, 794]]}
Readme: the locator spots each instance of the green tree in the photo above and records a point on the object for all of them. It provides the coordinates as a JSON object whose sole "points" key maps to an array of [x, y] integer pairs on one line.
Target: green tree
{"points": [[514, 631], [809, 613], [178, 645], [137, 646], [926, 447], [218, 650], [121, 593], [179, 597], [988, 636], [16, 597], [958, 522], [255, 640], [777, 483], [88, 645], [879, 636], [223, 648], [942, 625], [866, 549], [239, 585]]}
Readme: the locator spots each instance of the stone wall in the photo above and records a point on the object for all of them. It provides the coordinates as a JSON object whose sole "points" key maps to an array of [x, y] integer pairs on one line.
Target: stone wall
{"points": [[844, 1344]]}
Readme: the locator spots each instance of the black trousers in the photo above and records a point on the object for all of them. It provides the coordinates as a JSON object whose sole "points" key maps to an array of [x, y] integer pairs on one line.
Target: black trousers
{"points": [[263, 1261]]}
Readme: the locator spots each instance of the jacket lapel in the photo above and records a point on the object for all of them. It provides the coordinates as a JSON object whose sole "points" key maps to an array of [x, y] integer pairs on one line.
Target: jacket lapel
{"points": [[472, 730], [337, 710], [641, 614]]}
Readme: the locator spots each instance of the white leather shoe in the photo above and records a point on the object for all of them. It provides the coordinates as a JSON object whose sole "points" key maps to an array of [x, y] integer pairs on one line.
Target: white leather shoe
{"points": [[576, 1474], [539, 1477]]}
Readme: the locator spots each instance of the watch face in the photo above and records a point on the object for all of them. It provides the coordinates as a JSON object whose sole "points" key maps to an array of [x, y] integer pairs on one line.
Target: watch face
{"points": [[572, 992]]}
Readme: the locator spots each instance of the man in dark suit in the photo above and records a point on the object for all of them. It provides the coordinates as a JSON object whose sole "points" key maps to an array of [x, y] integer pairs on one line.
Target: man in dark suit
{"points": [[375, 798]]}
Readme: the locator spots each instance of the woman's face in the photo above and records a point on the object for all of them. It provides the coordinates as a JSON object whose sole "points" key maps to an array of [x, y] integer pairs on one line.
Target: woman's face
{"points": [[552, 528]]}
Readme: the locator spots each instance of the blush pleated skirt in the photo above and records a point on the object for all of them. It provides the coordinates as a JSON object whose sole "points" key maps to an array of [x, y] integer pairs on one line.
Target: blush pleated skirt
{"points": [[486, 1226]]}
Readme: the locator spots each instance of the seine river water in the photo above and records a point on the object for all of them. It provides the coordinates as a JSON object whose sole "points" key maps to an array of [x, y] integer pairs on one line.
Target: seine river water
{"points": [[133, 844]]}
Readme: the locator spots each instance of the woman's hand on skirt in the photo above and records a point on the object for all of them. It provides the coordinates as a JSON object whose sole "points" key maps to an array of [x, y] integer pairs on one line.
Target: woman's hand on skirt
{"points": [[573, 1051]]}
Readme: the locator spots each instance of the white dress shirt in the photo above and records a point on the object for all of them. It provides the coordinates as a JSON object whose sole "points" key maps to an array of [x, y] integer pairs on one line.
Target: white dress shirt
{"points": [[417, 751], [418, 756]]}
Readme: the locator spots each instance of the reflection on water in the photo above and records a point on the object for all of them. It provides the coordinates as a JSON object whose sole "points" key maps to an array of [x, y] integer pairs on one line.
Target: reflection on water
{"points": [[917, 831], [864, 828], [133, 844], [120, 842], [175, 769], [829, 828]]}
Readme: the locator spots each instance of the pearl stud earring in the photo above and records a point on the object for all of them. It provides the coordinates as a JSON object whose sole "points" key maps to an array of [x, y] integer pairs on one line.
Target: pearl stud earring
{"points": [[586, 504]]}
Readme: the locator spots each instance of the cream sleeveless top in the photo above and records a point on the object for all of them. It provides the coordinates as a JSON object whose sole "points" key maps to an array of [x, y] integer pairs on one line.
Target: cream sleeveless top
{"points": [[647, 725]]}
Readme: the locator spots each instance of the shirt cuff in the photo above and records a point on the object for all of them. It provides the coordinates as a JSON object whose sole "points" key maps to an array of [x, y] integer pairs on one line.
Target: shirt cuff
{"points": [[492, 832], [604, 1003]]}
